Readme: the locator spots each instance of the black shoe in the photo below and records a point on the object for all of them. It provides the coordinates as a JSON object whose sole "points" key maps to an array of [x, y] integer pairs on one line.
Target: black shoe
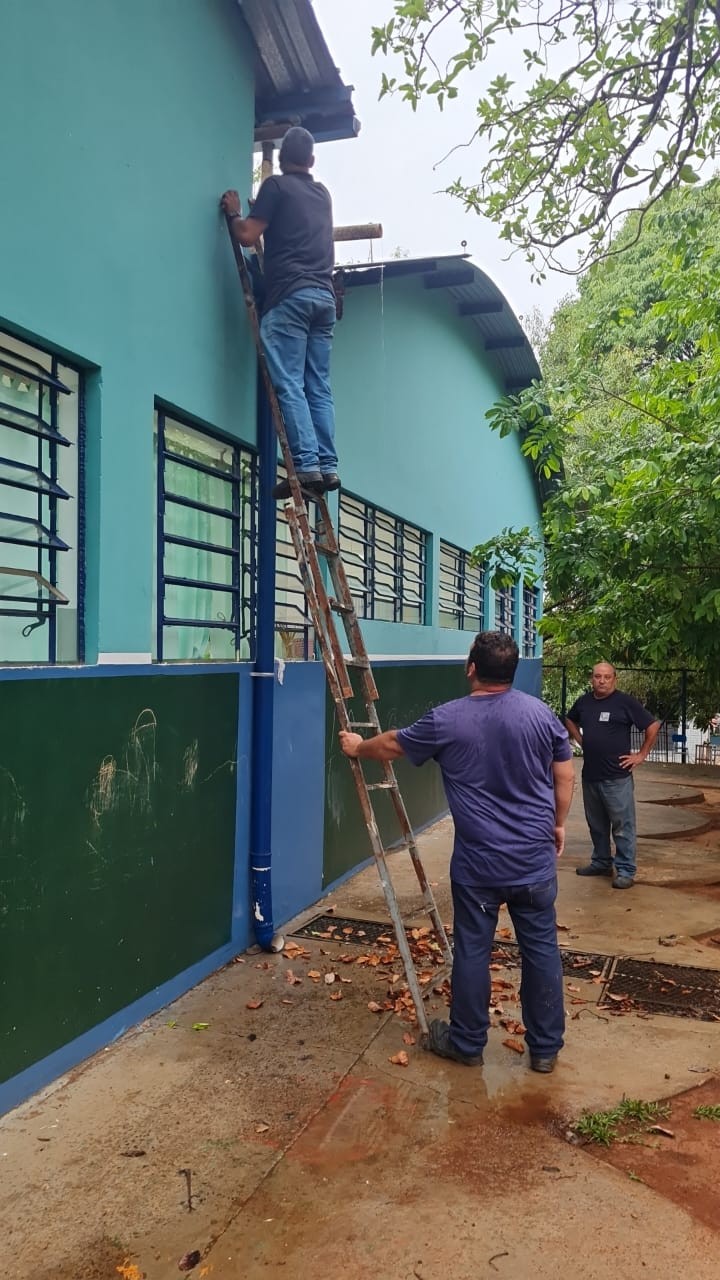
{"points": [[439, 1043], [593, 870], [311, 481], [330, 480], [545, 1065], [623, 882]]}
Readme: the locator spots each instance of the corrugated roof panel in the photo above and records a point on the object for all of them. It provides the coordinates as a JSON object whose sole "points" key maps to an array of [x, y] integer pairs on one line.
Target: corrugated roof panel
{"points": [[296, 80]]}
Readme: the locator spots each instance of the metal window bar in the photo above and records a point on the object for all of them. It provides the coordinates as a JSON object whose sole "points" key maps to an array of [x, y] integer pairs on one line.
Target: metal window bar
{"points": [[461, 594], [240, 519], [32, 528], [505, 610], [386, 562], [529, 626]]}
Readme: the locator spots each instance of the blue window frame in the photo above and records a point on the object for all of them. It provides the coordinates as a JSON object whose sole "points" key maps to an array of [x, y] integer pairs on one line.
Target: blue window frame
{"points": [[529, 622], [505, 609], [385, 559], [206, 544], [42, 442], [461, 590]]}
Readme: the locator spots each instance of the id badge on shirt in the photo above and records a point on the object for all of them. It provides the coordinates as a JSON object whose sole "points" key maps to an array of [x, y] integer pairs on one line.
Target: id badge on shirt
{"points": [[604, 717]]}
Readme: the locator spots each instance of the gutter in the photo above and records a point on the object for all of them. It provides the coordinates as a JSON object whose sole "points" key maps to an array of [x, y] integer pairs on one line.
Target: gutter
{"points": [[263, 675]]}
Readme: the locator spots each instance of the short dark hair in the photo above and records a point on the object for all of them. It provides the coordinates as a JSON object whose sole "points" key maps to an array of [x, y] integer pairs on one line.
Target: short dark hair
{"points": [[494, 656], [297, 147]]}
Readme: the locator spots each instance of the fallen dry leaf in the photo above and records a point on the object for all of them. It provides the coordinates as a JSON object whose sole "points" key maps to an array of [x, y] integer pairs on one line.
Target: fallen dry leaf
{"points": [[408, 1039], [504, 933], [336, 995], [315, 974], [292, 978], [374, 1007], [399, 1059], [570, 987], [285, 1000], [254, 1004], [658, 1128], [329, 979], [515, 1045], [261, 1128]]}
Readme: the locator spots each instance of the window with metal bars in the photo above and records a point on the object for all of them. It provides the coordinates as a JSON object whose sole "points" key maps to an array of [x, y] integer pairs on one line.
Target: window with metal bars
{"points": [[385, 560], [461, 590], [206, 544], [529, 622], [505, 605], [41, 505], [295, 637]]}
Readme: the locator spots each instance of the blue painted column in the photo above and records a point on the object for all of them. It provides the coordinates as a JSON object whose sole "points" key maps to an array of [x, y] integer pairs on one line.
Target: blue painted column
{"points": [[263, 677]]}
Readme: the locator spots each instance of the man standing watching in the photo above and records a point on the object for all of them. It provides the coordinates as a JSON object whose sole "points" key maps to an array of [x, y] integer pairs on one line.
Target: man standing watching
{"points": [[294, 213], [507, 768], [606, 716]]}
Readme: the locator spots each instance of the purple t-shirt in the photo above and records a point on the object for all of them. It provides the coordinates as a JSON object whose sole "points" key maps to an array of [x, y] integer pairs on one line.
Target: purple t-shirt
{"points": [[496, 753]]}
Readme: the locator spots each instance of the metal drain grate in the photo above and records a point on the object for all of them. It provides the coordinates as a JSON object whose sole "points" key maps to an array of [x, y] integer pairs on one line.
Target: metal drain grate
{"points": [[579, 964], [665, 988], [341, 929], [366, 933]]}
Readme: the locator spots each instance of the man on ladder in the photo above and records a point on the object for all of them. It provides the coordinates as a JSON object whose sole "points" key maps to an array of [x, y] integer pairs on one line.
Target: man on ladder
{"points": [[294, 214]]}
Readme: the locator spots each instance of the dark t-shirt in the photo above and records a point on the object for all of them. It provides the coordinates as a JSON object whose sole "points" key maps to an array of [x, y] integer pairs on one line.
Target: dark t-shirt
{"points": [[299, 247], [606, 725], [495, 753]]}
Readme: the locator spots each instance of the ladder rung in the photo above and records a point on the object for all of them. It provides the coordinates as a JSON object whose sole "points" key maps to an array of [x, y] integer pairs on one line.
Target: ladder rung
{"points": [[326, 551], [362, 724], [340, 608], [381, 786], [363, 663]]}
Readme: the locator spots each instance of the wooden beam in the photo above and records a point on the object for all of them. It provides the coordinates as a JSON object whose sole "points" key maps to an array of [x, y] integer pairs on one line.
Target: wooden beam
{"points": [[486, 307], [510, 343], [450, 277], [362, 231]]}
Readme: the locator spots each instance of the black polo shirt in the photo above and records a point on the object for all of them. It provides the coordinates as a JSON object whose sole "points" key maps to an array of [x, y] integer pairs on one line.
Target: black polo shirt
{"points": [[299, 247], [606, 725]]}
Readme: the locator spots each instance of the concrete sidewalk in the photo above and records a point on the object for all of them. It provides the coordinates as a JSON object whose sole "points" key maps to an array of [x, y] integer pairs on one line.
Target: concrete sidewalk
{"points": [[308, 1150]]}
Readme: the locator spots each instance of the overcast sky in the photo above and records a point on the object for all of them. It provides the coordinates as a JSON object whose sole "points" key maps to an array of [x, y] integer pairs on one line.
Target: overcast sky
{"points": [[388, 174]]}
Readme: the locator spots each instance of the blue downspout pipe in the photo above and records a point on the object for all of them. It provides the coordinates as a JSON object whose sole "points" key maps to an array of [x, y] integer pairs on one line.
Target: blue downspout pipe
{"points": [[263, 683]]}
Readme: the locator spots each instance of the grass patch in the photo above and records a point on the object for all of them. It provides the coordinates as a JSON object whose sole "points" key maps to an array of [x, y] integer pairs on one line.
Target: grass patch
{"points": [[623, 1123], [709, 1111]]}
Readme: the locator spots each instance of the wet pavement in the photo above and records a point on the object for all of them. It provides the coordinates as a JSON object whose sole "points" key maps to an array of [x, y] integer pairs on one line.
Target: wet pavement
{"points": [[309, 1150]]}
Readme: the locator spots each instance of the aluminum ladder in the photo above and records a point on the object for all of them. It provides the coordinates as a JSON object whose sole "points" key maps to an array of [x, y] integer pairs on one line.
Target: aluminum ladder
{"points": [[324, 609]]}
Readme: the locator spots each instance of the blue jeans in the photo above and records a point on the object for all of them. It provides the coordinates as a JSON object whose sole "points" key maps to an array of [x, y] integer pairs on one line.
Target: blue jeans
{"points": [[532, 911], [297, 339], [610, 806]]}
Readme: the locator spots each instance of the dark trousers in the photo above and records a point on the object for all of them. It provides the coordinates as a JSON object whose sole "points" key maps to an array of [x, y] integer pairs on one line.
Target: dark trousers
{"points": [[532, 911]]}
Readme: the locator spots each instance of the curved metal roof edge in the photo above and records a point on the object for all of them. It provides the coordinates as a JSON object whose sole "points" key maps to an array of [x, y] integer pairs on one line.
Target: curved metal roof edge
{"points": [[480, 301]]}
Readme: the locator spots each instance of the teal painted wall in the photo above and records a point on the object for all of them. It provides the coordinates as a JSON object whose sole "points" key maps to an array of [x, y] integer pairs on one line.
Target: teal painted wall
{"points": [[123, 123], [412, 386]]}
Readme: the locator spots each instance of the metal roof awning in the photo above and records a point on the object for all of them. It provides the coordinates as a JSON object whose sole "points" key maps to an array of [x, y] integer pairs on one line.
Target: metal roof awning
{"points": [[479, 301], [296, 80]]}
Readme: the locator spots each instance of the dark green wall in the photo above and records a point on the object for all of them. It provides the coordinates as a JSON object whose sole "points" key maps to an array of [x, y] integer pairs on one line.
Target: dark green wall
{"points": [[117, 833], [406, 693]]}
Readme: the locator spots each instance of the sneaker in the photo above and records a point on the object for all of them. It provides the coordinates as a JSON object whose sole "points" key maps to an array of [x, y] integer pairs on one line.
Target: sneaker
{"points": [[330, 480], [439, 1043], [312, 481], [545, 1065], [623, 882], [592, 869]]}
